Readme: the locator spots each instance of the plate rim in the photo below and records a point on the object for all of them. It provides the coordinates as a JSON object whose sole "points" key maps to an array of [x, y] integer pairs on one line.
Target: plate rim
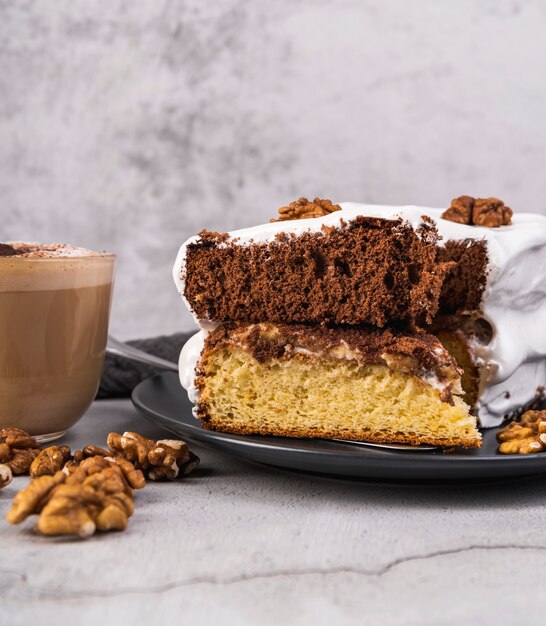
{"points": [[533, 463]]}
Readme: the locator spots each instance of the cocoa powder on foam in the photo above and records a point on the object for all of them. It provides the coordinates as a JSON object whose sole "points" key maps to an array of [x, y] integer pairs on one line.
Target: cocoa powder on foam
{"points": [[36, 267], [44, 250]]}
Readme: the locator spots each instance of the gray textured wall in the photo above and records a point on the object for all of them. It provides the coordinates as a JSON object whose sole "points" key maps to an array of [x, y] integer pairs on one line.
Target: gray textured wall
{"points": [[130, 125]]}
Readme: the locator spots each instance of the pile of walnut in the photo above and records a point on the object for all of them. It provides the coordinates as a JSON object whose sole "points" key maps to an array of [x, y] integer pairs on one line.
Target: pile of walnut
{"points": [[91, 489], [17, 450], [526, 436], [302, 209], [490, 212]]}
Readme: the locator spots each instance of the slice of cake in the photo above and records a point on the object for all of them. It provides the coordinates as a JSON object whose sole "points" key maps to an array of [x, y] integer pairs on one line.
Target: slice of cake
{"points": [[474, 276], [313, 381]]}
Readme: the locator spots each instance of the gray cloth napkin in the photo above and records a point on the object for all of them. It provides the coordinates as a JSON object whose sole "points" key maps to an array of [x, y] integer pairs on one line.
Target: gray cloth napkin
{"points": [[120, 376]]}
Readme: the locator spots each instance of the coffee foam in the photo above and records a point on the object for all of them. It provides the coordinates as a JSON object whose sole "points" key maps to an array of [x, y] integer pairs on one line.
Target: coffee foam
{"points": [[33, 250], [40, 267]]}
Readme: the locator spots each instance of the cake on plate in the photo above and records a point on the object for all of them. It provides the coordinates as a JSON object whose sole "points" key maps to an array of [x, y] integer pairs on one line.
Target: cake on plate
{"points": [[365, 322]]}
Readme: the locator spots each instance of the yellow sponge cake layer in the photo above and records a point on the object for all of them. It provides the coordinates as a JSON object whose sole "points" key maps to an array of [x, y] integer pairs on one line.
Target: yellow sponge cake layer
{"points": [[329, 393]]}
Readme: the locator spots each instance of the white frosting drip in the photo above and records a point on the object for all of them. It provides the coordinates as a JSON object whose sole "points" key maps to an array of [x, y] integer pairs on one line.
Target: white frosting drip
{"points": [[189, 356], [514, 300]]}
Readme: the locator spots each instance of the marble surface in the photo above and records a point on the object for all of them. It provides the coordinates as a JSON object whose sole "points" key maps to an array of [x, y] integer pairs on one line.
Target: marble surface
{"points": [[238, 543], [132, 125]]}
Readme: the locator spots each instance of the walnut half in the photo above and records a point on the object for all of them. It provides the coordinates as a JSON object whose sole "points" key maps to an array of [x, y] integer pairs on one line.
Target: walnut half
{"points": [[49, 461], [302, 209], [489, 212], [18, 449], [460, 210], [527, 436]]}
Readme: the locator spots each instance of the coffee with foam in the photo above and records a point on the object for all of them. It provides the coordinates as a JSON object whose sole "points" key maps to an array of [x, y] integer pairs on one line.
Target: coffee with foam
{"points": [[54, 310]]}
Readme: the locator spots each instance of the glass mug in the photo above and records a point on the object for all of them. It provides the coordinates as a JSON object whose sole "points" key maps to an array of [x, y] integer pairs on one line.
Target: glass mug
{"points": [[54, 312]]}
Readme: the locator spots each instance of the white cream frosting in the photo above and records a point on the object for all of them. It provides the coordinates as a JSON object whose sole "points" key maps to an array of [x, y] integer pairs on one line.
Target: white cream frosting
{"points": [[514, 300], [189, 355]]}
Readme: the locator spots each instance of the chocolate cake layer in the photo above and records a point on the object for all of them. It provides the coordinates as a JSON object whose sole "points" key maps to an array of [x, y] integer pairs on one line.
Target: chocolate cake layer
{"points": [[368, 271], [465, 282]]}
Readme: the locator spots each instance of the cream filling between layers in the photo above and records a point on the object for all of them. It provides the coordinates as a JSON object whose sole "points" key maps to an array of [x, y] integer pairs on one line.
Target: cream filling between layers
{"points": [[193, 348]]}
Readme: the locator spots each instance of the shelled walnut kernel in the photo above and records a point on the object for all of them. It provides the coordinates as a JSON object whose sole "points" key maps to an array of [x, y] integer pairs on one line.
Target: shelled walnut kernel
{"points": [[489, 212], [163, 459], [302, 209], [528, 436], [18, 449], [49, 460], [92, 489], [97, 496]]}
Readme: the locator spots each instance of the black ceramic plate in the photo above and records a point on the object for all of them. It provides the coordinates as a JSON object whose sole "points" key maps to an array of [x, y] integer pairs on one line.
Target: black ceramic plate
{"points": [[162, 400]]}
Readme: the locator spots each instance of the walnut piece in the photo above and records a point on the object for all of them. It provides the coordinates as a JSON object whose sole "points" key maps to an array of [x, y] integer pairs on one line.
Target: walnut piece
{"points": [[134, 476], [91, 490], [49, 461], [489, 212], [95, 496], [302, 209], [31, 499], [163, 459], [92, 450], [5, 475], [527, 436], [18, 449], [460, 210], [84, 453]]}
